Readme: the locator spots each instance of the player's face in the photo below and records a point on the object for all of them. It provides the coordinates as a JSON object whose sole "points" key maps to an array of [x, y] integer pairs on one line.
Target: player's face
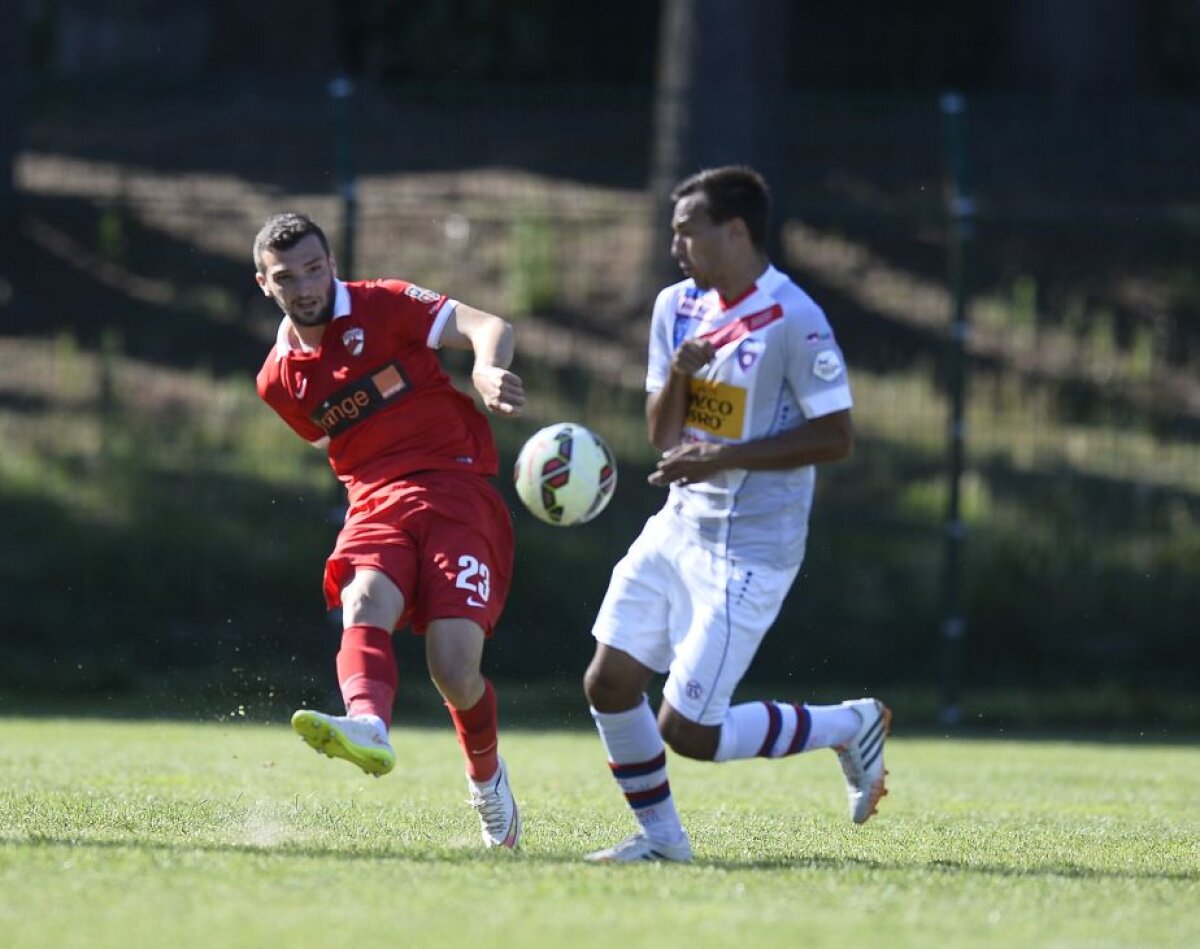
{"points": [[300, 280], [701, 247]]}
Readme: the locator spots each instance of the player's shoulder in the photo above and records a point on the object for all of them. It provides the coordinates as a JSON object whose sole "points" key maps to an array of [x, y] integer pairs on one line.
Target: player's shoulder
{"points": [[385, 295], [678, 296], [270, 373], [272, 365], [795, 300], [379, 288]]}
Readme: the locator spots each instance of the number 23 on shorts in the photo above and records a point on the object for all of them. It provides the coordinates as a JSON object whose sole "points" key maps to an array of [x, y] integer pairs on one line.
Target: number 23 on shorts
{"points": [[474, 577]]}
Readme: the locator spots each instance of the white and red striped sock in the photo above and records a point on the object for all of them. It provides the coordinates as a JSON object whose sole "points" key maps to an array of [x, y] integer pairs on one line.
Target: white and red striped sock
{"points": [[778, 729], [638, 760]]}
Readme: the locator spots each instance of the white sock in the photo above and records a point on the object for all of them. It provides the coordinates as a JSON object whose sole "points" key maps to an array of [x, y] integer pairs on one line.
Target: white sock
{"points": [[762, 730], [831, 725], [638, 760]]}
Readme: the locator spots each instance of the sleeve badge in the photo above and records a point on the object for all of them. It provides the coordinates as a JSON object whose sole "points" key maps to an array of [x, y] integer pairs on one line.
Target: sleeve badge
{"points": [[420, 294], [827, 365]]}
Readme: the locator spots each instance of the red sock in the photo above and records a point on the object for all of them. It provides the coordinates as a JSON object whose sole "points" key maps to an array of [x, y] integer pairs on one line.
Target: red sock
{"points": [[476, 729], [366, 670]]}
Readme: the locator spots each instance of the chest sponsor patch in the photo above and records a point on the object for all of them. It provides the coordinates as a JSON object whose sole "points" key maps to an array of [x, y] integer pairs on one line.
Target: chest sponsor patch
{"points": [[716, 407], [827, 365], [361, 399]]}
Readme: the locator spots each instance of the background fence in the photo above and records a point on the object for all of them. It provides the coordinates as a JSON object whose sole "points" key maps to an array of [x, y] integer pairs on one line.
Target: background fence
{"points": [[160, 522]]}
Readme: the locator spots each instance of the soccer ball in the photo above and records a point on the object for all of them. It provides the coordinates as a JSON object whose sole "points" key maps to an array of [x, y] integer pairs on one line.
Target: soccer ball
{"points": [[565, 474]]}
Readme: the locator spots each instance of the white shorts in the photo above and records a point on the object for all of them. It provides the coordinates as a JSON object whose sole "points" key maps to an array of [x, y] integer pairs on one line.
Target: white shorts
{"points": [[680, 609]]}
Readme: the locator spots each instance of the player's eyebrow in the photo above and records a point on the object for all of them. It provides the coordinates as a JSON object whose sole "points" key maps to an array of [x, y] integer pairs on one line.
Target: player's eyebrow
{"points": [[304, 265]]}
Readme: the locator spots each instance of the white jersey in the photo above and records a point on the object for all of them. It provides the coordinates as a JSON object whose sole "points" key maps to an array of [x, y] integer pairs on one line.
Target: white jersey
{"points": [[776, 365]]}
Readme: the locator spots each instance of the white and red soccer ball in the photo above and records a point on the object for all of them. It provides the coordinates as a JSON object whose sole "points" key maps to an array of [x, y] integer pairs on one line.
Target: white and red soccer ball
{"points": [[565, 474]]}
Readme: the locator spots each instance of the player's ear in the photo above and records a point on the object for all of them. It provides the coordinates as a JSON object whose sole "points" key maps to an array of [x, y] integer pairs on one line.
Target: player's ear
{"points": [[262, 283]]}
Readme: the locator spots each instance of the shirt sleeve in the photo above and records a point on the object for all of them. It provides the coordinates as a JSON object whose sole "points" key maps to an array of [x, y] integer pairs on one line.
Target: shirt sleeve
{"points": [[421, 314], [817, 367], [658, 363]]}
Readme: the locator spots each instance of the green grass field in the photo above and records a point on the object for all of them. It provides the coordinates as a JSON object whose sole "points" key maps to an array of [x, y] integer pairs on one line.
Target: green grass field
{"points": [[120, 833]]}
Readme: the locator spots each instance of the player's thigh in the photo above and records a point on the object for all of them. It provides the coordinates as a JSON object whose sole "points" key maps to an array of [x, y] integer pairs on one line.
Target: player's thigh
{"points": [[373, 540], [465, 566], [644, 599], [371, 598], [733, 607]]}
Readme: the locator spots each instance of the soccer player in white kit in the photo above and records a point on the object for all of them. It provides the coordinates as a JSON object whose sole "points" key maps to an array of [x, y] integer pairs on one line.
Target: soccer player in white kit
{"points": [[747, 391]]}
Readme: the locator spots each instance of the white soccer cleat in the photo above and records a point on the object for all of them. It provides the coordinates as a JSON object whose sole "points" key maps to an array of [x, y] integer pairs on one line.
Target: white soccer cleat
{"points": [[638, 848], [499, 816], [359, 739], [862, 758]]}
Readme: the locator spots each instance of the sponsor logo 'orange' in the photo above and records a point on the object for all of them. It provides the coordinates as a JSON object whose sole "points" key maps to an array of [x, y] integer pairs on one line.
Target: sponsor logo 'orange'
{"points": [[388, 381]]}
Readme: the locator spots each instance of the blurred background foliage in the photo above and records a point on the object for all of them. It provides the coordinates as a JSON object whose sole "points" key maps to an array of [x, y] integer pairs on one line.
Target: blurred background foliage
{"points": [[164, 533]]}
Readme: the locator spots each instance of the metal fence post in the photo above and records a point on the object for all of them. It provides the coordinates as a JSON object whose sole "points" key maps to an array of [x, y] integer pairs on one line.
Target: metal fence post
{"points": [[341, 91], [960, 208]]}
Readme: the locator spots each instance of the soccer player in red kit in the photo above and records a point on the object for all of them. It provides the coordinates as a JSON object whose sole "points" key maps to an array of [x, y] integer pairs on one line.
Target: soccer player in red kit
{"points": [[427, 539]]}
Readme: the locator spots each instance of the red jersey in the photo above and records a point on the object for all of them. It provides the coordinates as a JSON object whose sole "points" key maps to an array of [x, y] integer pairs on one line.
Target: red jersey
{"points": [[376, 389]]}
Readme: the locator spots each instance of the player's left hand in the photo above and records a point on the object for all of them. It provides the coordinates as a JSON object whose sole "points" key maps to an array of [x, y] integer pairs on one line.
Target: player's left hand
{"points": [[502, 391], [683, 464]]}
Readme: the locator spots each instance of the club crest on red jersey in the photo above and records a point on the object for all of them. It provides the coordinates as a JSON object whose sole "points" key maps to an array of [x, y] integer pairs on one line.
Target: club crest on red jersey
{"points": [[354, 339]]}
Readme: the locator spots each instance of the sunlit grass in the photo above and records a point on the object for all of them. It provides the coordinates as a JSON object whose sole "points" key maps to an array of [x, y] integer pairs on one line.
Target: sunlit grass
{"points": [[236, 835]]}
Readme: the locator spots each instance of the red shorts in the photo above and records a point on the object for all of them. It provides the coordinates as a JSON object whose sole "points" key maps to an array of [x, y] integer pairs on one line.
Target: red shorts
{"points": [[445, 538]]}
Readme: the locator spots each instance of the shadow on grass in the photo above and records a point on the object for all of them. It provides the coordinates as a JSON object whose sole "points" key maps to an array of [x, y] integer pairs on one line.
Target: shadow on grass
{"points": [[558, 856], [558, 705]]}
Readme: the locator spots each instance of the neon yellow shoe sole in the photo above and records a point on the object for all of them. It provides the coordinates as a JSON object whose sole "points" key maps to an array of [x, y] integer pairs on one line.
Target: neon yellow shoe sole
{"points": [[343, 738]]}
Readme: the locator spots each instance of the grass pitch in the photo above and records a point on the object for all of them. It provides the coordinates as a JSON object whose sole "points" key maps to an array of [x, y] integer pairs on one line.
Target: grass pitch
{"points": [[130, 834]]}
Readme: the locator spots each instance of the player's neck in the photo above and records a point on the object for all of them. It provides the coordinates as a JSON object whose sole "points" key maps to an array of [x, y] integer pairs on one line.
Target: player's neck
{"points": [[741, 279], [308, 337]]}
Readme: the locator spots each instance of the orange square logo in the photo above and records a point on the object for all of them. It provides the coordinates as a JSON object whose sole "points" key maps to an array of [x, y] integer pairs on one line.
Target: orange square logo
{"points": [[388, 381]]}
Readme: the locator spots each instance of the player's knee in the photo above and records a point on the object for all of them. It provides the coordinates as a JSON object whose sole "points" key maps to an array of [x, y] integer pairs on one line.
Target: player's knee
{"points": [[371, 600], [458, 685], [593, 683], [689, 739], [607, 690]]}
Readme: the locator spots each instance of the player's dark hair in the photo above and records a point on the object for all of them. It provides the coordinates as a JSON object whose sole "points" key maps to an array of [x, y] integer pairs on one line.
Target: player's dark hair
{"points": [[732, 191], [284, 231]]}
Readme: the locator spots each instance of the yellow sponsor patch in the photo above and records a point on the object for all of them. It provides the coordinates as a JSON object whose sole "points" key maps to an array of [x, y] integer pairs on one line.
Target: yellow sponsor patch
{"points": [[717, 408]]}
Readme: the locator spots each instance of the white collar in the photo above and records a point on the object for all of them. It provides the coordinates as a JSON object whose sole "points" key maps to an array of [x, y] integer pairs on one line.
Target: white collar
{"points": [[341, 307]]}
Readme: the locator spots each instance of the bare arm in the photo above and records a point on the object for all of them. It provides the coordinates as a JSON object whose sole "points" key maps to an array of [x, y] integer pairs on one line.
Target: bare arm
{"points": [[491, 340], [823, 439], [667, 408]]}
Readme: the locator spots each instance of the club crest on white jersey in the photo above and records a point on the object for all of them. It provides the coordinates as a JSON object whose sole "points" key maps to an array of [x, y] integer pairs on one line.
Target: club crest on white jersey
{"points": [[748, 353]]}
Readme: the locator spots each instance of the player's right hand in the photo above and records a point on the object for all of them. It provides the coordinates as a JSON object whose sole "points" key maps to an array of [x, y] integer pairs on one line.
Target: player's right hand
{"points": [[503, 392], [692, 356]]}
